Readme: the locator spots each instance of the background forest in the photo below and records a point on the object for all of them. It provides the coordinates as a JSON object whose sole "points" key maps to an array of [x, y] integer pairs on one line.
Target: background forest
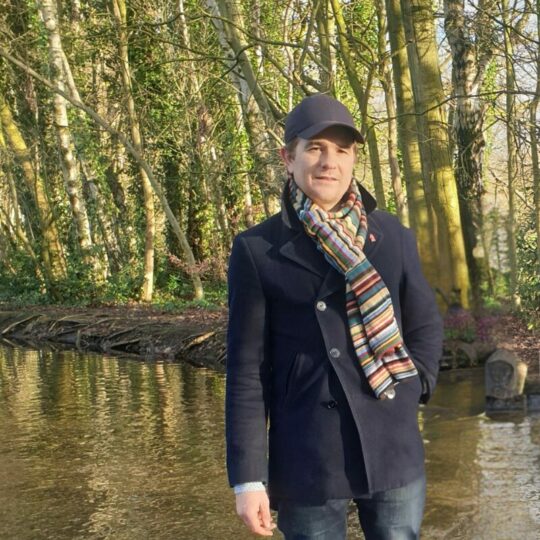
{"points": [[137, 138]]}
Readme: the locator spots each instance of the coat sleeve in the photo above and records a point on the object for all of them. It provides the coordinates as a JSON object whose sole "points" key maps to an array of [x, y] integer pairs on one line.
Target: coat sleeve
{"points": [[248, 372], [421, 321]]}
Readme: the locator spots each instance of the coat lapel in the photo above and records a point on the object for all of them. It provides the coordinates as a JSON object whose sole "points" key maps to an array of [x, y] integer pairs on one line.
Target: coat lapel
{"points": [[302, 250]]}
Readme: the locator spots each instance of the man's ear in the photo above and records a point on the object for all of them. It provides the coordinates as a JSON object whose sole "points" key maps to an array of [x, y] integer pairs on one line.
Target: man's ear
{"points": [[286, 158]]}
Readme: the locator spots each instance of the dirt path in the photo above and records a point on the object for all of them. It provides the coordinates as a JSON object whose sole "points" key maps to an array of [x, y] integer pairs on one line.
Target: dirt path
{"points": [[510, 332]]}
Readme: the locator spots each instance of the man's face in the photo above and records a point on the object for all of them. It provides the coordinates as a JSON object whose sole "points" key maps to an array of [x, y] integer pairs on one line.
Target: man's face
{"points": [[323, 166]]}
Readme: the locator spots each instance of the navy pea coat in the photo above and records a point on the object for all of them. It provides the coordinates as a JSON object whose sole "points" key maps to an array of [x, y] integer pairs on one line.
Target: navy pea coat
{"points": [[300, 415]]}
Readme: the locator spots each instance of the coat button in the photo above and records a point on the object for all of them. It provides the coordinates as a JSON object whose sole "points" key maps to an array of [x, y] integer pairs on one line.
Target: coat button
{"points": [[332, 404], [321, 306], [335, 353]]}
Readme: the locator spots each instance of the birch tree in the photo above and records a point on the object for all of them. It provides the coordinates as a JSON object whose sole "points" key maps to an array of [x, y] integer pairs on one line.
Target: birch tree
{"points": [[70, 169], [385, 76], [120, 15], [471, 48], [512, 163]]}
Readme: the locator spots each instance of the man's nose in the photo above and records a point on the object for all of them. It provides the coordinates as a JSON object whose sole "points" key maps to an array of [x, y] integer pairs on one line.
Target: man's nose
{"points": [[328, 159]]}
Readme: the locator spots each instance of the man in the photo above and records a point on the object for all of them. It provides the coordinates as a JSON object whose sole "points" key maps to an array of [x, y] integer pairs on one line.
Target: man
{"points": [[334, 337]]}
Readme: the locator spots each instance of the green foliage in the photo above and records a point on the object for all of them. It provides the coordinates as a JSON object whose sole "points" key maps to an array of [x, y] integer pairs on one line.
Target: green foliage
{"points": [[528, 275], [193, 135], [23, 286], [215, 295], [496, 299], [173, 287], [124, 286], [490, 84]]}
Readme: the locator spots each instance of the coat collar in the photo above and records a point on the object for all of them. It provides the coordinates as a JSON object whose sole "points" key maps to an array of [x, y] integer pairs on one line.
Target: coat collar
{"points": [[297, 246]]}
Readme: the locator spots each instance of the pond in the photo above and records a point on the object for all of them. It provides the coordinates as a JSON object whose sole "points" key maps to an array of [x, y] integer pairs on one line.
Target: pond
{"points": [[96, 447]]}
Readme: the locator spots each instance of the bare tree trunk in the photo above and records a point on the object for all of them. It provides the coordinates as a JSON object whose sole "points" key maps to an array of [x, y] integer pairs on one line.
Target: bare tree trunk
{"points": [[428, 93], [512, 168], [12, 212], [362, 97], [257, 113], [70, 167], [326, 33], [533, 132], [419, 216], [106, 226], [122, 215], [385, 76], [52, 253], [120, 14], [229, 10], [469, 61], [105, 223]]}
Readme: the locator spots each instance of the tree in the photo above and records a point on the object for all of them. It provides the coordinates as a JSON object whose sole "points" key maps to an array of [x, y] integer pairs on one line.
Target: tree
{"points": [[471, 44], [437, 165], [385, 77], [260, 118], [52, 253], [362, 97], [120, 15], [419, 217], [533, 133]]}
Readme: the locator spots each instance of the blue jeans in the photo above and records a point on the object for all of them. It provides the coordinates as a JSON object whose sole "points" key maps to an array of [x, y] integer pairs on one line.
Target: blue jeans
{"points": [[395, 514]]}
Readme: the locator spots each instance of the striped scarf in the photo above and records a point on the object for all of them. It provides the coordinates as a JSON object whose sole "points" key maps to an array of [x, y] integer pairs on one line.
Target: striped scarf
{"points": [[375, 334]]}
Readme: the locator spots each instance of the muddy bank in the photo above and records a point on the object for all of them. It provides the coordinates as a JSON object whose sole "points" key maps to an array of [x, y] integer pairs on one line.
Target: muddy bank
{"points": [[196, 336]]}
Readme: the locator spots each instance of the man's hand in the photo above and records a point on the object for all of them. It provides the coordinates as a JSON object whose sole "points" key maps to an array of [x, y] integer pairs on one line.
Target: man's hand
{"points": [[254, 509]]}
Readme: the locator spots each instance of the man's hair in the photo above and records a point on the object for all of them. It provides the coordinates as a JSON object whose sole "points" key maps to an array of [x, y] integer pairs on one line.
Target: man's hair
{"points": [[290, 147]]}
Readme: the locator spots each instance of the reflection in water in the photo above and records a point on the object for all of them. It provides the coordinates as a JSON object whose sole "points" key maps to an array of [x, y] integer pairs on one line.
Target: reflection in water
{"points": [[96, 447], [509, 459], [483, 473], [99, 447]]}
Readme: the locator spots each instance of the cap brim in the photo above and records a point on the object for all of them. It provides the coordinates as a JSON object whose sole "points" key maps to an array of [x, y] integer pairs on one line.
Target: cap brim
{"points": [[311, 131]]}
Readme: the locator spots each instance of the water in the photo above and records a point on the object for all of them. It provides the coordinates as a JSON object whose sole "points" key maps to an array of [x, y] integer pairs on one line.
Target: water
{"points": [[483, 473], [94, 447]]}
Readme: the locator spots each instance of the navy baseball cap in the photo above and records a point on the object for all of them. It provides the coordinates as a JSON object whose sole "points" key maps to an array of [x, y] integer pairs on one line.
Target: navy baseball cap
{"points": [[316, 113]]}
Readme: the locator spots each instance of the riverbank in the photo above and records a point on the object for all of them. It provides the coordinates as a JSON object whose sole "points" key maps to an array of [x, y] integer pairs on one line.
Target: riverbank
{"points": [[196, 335]]}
